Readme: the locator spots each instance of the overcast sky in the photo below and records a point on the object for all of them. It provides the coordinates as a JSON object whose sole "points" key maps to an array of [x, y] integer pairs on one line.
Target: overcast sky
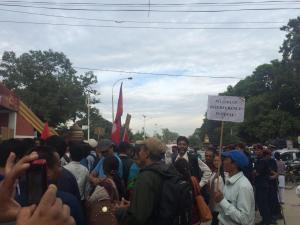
{"points": [[177, 103]]}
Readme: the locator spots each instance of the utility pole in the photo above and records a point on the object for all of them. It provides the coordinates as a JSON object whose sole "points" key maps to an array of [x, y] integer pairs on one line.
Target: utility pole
{"points": [[88, 115], [144, 126]]}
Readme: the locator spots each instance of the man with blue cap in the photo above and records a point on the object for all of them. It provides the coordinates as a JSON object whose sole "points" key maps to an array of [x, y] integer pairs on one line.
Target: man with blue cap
{"points": [[236, 204]]}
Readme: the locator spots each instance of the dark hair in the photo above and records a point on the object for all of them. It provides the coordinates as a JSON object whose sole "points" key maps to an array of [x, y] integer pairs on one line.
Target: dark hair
{"points": [[277, 155], [47, 153], [19, 147], [214, 153], [58, 143], [182, 166], [111, 167], [182, 138], [78, 151], [124, 147], [241, 146]]}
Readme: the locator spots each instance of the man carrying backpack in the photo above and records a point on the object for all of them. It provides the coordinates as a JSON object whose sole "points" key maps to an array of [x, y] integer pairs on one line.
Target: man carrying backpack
{"points": [[161, 196]]}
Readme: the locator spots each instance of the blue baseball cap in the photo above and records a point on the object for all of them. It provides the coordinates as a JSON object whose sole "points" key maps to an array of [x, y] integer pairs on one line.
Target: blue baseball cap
{"points": [[239, 158]]}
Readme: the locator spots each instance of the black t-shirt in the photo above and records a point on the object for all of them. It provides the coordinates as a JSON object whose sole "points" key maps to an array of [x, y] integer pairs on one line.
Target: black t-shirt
{"points": [[273, 167], [262, 173]]}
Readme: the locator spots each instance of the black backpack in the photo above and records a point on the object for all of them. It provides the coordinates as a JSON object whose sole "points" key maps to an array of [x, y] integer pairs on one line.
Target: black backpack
{"points": [[175, 203]]}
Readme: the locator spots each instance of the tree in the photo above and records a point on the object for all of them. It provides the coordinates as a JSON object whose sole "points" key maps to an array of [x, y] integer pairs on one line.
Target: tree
{"points": [[47, 83], [272, 98], [169, 136], [138, 136], [96, 121]]}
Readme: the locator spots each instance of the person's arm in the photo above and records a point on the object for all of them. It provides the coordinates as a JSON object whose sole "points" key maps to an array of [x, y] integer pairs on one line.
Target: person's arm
{"points": [[244, 212], [94, 179], [49, 211], [206, 173], [9, 208]]}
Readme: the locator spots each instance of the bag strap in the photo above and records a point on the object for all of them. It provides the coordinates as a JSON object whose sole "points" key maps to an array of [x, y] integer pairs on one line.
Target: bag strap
{"points": [[196, 186]]}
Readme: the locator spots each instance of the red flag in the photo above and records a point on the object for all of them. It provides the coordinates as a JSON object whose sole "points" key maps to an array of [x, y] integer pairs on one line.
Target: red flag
{"points": [[125, 136], [116, 128], [46, 132]]}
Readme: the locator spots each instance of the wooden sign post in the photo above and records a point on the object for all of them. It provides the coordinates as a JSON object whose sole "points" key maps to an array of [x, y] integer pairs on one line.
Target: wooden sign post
{"points": [[225, 108]]}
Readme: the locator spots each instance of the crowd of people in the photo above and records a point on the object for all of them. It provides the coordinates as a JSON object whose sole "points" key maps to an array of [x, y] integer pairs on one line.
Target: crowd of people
{"points": [[95, 183]]}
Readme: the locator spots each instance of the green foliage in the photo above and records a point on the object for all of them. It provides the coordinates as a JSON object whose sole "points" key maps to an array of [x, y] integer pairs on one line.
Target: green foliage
{"points": [[138, 136], [48, 84], [96, 120], [168, 136], [194, 139], [272, 98]]}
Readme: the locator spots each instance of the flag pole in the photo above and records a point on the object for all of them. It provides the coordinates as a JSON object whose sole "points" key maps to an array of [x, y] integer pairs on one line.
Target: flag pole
{"points": [[220, 153]]}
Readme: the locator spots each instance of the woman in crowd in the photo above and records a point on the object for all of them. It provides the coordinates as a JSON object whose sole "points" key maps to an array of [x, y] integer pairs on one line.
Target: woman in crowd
{"points": [[182, 166]]}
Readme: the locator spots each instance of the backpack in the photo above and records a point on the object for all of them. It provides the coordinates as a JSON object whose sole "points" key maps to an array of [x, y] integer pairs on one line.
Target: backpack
{"points": [[127, 163], [175, 203]]}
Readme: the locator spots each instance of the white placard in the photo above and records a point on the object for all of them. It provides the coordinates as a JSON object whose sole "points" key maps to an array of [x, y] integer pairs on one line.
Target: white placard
{"points": [[226, 108]]}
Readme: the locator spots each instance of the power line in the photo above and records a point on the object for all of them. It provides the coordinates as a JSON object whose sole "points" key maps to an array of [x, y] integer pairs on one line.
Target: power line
{"points": [[138, 22], [156, 4], [156, 74], [139, 27], [151, 10]]}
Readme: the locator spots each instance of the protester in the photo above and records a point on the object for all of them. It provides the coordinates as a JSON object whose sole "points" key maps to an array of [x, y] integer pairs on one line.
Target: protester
{"points": [[9, 208], [134, 170], [49, 211], [281, 169], [106, 147], [182, 166], [124, 150], [92, 159], [262, 174], [216, 183], [197, 167], [237, 205], [66, 181], [53, 173], [209, 158], [248, 170], [101, 205], [81, 173], [149, 196], [273, 187]]}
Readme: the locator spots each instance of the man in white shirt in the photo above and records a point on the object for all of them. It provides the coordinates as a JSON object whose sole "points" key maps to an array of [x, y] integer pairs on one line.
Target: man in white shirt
{"points": [[236, 204], [198, 168], [81, 173]]}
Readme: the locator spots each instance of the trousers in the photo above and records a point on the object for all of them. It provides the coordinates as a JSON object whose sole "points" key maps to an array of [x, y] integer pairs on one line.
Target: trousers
{"points": [[262, 201]]}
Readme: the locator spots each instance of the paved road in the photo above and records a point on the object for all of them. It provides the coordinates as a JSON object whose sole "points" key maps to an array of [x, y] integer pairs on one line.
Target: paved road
{"points": [[291, 209]]}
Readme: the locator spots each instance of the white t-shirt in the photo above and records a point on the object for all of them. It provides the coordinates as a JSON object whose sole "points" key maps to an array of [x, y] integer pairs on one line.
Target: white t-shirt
{"points": [[81, 174]]}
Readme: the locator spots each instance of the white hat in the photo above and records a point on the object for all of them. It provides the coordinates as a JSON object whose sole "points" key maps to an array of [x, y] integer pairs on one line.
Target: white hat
{"points": [[92, 142]]}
